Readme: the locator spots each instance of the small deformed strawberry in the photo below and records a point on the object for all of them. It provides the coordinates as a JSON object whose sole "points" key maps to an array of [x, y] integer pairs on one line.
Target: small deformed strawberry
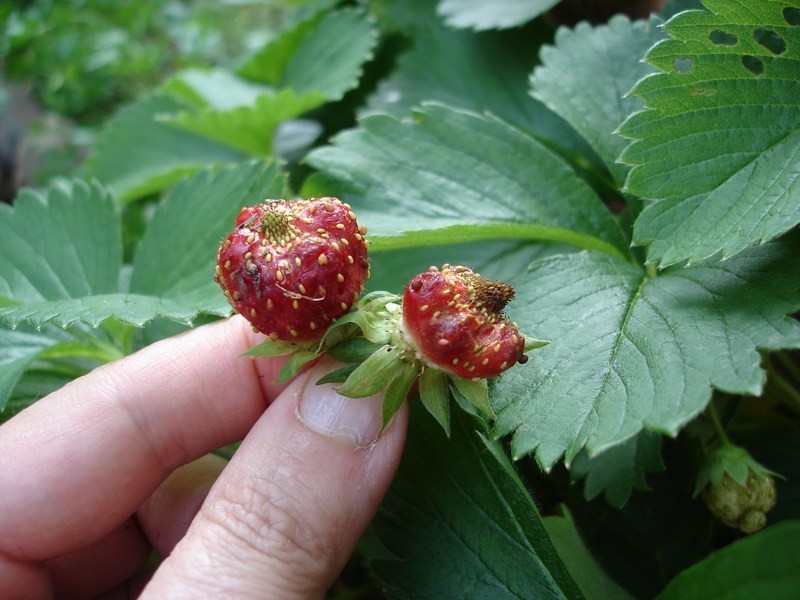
{"points": [[447, 332], [453, 317], [292, 267]]}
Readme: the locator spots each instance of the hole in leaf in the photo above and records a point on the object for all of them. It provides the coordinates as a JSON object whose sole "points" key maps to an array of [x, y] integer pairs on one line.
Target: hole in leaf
{"points": [[792, 15], [720, 38], [770, 40], [753, 64], [682, 64]]}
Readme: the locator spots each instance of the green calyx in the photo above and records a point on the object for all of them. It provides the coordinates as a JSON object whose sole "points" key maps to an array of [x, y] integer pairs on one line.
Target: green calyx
{"points": [[379, 359]]}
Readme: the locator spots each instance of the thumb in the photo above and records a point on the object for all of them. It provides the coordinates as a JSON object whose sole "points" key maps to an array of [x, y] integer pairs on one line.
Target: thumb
{"points": [[286, 513]]}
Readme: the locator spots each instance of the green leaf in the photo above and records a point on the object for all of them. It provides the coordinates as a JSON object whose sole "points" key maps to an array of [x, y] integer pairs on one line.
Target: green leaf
{"points": [[136, 155], [63, 242], [503, 14], [248, 129], [620, 470], [718, 144], [18, 349], [585, 76], [324, 54], [629, 352], [453, 176], [176, 257], [434, 393], [215, 88], [484, 72], [763, 565], [462, 525], [373, 375], [132, 309]]}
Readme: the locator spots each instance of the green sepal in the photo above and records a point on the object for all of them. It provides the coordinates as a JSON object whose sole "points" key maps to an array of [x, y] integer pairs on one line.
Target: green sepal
{"points": [[532, 343], [476, 392], [295, 363], [398, 390], [434, 393], [354, 350], [270, 348], [373, 375], [337, 376], [730, 459]]}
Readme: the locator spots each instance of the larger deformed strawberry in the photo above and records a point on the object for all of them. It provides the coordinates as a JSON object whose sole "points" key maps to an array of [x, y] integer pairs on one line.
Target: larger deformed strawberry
{"points": [[292, 267]]}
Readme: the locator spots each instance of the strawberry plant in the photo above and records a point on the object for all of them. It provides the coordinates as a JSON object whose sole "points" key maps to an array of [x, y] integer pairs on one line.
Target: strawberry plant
{"points": [[635, 181]]}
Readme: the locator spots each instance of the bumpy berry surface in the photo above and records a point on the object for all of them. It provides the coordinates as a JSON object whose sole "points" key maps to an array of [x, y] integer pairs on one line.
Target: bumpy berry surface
{"points": [[453, 317], [292, 267]]}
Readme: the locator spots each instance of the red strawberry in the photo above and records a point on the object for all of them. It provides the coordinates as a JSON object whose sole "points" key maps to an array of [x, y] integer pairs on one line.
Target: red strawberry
{"points": [[292, 267], [453, 318]]}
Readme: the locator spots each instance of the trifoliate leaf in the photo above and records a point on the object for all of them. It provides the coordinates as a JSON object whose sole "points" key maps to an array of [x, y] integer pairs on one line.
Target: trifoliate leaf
{"points": [[630, 352], [586, 75], [136, 155], [717, 147], [461, 501], [480, 15], [434, 393], [763, 565], [324, 55], [620, 470], [452, 176]]}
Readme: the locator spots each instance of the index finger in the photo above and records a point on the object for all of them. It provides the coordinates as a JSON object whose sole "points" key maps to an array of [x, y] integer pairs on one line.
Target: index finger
{"points": [[78, 462]]}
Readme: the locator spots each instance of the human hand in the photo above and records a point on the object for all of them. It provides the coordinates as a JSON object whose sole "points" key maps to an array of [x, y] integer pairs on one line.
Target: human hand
{"points": [[116, 463]]}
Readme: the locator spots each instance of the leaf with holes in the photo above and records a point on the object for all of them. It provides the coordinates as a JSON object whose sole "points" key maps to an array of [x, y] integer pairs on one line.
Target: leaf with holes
{"points": [[628, 352], [717, 147]]}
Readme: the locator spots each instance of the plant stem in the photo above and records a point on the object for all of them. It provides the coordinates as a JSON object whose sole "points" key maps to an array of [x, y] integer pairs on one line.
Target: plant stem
{"points": [[652, 270], [786, 392], [721, 433]]}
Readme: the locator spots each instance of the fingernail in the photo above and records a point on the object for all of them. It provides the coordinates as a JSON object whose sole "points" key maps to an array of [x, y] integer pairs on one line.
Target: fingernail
{"points": [[354, 420]]}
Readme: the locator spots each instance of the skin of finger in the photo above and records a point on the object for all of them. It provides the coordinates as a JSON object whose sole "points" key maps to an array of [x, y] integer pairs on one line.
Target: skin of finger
{"points": [[166, 515], [100, 567], [85, 458], [286, 514]]}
